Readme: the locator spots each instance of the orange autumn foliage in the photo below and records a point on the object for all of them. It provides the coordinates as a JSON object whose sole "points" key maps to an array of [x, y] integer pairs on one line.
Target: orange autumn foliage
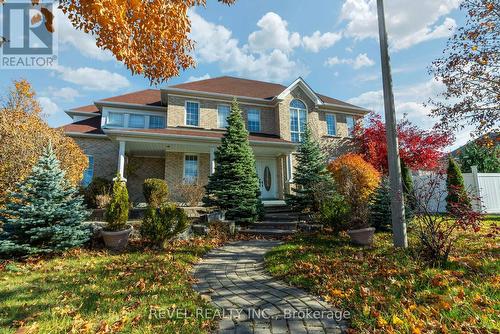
{"points": [[150, 37], [23, 134], [355, 179]]}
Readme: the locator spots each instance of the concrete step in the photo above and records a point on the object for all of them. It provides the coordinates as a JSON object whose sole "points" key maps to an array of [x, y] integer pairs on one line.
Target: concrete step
{"points": [[273, 225], [267, 232]]}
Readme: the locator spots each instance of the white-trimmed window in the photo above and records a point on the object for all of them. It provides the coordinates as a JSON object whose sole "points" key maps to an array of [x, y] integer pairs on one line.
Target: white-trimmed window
{"points": [[331, 124], [156, 122], [115, 119], [190, 168], [350, 124], [88, 174], [253, 120], [192, 113], [223, 111], [137, 121], [298, 120]]}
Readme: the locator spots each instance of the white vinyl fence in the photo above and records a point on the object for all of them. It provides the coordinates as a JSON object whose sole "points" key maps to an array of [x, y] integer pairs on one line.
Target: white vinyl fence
{"points": [[486, 186]]}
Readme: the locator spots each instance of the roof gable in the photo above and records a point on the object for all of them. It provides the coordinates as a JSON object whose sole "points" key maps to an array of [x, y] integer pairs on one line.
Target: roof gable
{"points": [[305, 88]]}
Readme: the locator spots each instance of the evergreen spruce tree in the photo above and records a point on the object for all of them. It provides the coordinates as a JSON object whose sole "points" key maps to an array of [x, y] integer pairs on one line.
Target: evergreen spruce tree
{"points": [[118, 209], [407, 179], [455, 186], [312, 181], [380, 207], [234, 185], [380, 204], [44, 214]]}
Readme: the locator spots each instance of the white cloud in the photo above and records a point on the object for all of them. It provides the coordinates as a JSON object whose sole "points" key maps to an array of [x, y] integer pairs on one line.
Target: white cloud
{"points": [[318, 41], [408, 100], [93, 79], [362, 60], [84, 43], [194, 78], [273, 34], [426, 34], [48, 106], [67, 94], [409, 22], [215, 44]]}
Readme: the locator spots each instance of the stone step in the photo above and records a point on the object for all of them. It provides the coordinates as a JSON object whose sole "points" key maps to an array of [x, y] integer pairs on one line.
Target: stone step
{"points": [[278, 209], [268, 232], [273, 225], [281, 217]]}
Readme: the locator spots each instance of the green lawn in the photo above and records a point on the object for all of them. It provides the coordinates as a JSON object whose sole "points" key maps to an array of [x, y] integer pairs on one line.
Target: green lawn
{"points": [[391, 291], [99, 292]]}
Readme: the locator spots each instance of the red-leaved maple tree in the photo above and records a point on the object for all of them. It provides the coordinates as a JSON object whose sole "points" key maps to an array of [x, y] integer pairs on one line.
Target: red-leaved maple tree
{"points": [[419, 149]]}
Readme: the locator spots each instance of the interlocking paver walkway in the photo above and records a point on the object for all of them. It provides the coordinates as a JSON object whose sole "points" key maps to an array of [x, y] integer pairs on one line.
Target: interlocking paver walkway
{"points": [[251, 301]]}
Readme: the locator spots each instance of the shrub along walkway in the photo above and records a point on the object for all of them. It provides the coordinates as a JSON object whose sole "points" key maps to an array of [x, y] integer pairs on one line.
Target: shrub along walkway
{"points": [[251, 301]]}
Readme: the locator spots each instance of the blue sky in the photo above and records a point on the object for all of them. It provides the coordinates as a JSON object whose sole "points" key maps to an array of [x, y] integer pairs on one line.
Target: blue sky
{"points": [[332, 44]]}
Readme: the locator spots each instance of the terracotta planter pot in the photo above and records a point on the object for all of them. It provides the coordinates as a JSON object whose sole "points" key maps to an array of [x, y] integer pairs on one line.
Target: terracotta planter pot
{"points": [[116, 240], [362, 236]]}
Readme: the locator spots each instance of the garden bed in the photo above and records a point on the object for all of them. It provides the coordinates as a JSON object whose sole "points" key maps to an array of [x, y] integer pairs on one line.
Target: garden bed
{"points": [[392, 291], [99, 292]]}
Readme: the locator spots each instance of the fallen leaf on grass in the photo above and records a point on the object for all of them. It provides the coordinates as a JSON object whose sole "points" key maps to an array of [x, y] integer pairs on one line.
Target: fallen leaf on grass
{"points": [[381, 322], [396, 321]]}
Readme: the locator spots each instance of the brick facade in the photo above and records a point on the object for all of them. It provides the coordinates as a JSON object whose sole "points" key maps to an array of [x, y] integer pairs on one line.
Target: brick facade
{"points": [[105, 153], [139, 169], [174, 169], [208, 113]]}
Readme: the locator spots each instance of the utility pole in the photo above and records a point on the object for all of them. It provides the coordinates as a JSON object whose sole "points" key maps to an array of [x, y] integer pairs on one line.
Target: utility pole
{"points": [[397, 202]]}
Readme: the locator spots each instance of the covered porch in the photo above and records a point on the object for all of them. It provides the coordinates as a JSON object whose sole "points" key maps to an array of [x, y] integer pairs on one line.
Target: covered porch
{"points": [[183, 160]]}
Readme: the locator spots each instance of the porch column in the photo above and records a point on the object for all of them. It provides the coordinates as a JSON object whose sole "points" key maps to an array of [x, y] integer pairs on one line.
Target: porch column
{"points": [[121, 160], [289, 167], [212, 160]]}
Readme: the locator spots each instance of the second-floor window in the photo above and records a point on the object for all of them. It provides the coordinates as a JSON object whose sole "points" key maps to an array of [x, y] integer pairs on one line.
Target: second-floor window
{"points": [[223, 112], [192, 113], [331, 125], [156, 122], [136, 121], [254, 120], [350, 124], [115, 119], [298, 120]]}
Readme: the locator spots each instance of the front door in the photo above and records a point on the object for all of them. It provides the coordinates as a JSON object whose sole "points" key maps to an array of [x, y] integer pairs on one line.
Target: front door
{"points": [[266, 170]]}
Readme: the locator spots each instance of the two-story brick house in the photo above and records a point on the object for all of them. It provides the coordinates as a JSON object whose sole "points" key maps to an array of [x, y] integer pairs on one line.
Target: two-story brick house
{"points": [[172, 133]]}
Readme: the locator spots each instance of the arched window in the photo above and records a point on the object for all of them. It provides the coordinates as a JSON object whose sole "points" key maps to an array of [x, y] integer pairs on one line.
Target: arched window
{"points": [[298, 120]]}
